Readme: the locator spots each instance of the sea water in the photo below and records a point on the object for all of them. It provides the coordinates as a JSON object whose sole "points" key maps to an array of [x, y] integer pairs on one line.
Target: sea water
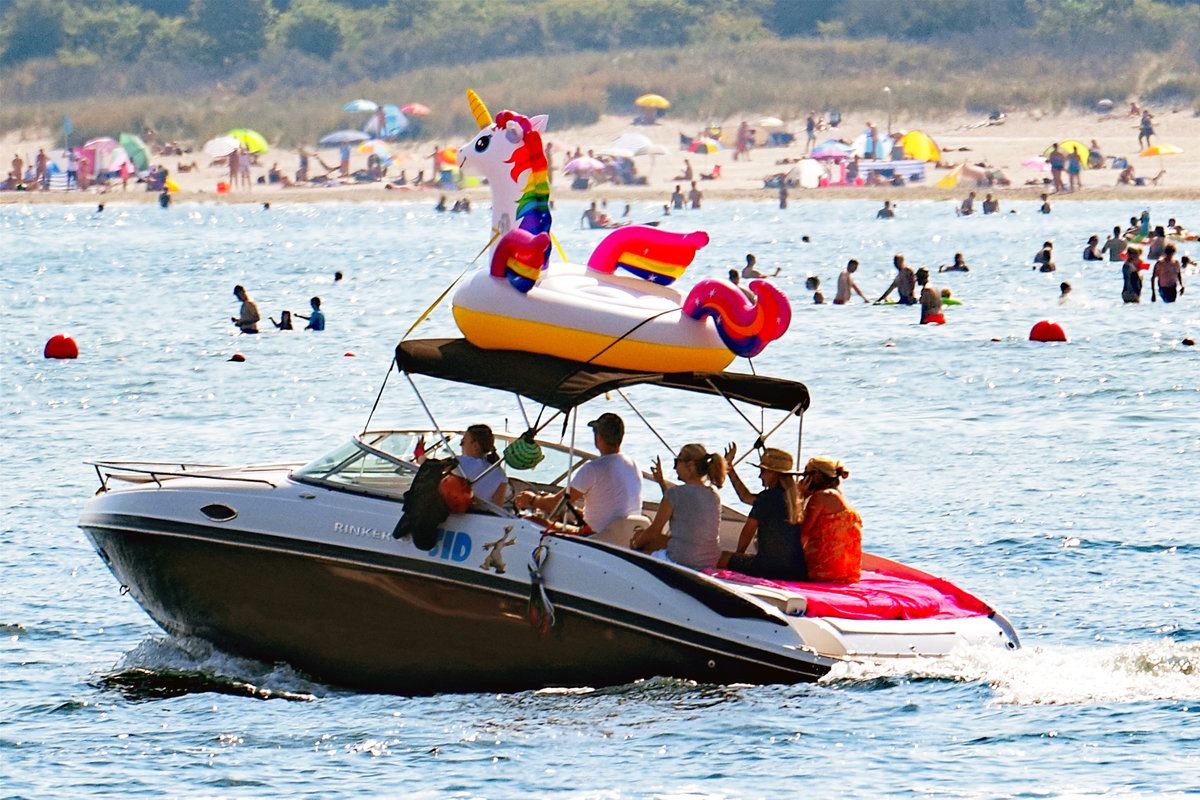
{"points": [[1058, 481]]}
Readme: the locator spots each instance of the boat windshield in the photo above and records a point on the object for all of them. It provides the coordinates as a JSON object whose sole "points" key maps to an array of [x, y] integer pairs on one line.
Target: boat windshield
{"points": [[384, 462]]}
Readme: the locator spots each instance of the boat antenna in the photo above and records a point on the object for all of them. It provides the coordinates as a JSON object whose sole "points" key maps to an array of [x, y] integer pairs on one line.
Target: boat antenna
{"points": [[379, 396], [645, 421], [424, 315]]}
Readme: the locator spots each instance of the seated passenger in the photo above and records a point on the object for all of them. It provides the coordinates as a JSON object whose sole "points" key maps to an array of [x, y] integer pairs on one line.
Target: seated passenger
{"points": [[831, 531], [610, 487], [488, 482], [692, 508], [774, 520]]}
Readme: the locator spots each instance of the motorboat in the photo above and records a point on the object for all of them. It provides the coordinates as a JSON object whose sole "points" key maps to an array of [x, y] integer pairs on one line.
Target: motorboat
{"points": [[301, 563]]}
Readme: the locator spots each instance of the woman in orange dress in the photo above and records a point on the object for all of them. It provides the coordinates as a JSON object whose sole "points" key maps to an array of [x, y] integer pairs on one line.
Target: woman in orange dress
{"points": [[831, 531]]}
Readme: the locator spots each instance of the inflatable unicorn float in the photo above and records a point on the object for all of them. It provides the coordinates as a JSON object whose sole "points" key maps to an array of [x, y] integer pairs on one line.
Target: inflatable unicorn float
{"points": [[589, 312]]}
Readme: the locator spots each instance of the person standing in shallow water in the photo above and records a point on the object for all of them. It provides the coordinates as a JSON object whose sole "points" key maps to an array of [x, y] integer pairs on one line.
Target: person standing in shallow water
{"points": [[931, 300], [316, 319], [846, 285], [247, 319], [1131, 272], [904, 283]]}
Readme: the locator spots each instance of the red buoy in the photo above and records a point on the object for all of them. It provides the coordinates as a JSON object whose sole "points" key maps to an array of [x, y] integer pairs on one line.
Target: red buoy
{"points": [[1047, 331], [61, 346], [456, 492], [349, 355], [237, 357]]}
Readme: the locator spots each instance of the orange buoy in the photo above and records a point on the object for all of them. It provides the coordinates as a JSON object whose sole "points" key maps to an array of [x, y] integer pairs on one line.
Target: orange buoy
{"points": [[1047, 331], [61, 346], [350, 355], [455, 490], [237, 357]]}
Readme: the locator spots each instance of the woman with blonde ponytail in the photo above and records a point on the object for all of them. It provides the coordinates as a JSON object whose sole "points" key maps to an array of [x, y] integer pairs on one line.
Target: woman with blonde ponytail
{"points": [[693, 509]]}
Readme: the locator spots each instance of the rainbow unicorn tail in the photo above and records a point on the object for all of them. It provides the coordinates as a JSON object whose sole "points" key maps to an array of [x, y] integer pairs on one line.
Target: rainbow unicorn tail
{"points": [[520, 256], [659, 256], [744, 326]]}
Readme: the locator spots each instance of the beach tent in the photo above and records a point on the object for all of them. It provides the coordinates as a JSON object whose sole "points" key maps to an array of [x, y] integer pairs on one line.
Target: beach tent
{"points": [[880, 149], [1069, 145], [810, 173], [918, 145], [386, 123], [951, 179]]}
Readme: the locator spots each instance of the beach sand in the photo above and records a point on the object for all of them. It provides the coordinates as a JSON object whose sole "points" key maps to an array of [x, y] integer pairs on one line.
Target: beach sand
{"points": [[1021, 136]]}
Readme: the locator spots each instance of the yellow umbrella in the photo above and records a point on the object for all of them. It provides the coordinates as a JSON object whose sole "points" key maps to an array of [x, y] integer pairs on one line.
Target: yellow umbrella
{"points": [[1067, 147], [1161, 150], [918, 145], [652, 101], [171, 185]]}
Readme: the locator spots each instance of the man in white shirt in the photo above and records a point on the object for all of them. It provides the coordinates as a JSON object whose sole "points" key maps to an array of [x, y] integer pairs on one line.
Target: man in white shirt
{"points": [[610, 487]]}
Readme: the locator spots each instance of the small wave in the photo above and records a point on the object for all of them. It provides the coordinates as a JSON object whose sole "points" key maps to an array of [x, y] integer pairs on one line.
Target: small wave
{"points": [[1135, 673], [162, 668]]}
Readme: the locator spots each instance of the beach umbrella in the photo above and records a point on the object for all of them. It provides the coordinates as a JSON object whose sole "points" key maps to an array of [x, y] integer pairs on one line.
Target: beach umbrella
{"points": [[377, 148], [1067, 147], [220, 146], [832, 149], [119, 162], [583, 165], [768, 122], [253, 141], [705, 146], [448, 155], [918, 145], [416, 110], [651, 150], [342, 137], [632, 141], [136, 149], [170, 185], [612, 150], [652, 101], [1161, 150], [360, 106], [101, 144]]}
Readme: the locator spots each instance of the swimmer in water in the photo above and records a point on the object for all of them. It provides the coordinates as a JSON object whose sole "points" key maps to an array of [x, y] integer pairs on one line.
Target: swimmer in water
{"points": [[958, 266]]}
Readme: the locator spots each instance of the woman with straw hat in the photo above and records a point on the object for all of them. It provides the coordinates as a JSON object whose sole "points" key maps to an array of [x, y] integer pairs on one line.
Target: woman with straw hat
{"points": [[774, 520]]}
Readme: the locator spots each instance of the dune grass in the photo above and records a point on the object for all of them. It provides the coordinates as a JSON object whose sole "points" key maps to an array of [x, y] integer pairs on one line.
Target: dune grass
{"points": [[719, 82]]}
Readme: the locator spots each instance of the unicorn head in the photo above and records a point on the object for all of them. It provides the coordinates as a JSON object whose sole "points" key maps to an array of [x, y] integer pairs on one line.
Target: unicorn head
{"points": [[508, 152]]}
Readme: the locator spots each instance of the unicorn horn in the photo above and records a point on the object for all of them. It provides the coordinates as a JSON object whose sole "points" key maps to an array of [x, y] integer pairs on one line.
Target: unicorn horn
{"points": [[478, 109]]}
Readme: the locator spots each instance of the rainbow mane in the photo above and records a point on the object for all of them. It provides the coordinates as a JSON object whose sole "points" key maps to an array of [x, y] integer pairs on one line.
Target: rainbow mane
{"points": [[533, 207]]}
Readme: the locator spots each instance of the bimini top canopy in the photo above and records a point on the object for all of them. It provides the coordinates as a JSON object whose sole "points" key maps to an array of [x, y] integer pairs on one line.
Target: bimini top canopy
{"points": [[564, 384]]}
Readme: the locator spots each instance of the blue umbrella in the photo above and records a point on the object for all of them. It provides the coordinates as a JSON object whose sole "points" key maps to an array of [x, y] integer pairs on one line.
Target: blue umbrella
{"points": [[394, 123]]}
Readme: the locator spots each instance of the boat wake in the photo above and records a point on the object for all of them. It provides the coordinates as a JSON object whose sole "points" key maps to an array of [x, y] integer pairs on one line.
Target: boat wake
{"points": [[1147, 671], [162, 668]]}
